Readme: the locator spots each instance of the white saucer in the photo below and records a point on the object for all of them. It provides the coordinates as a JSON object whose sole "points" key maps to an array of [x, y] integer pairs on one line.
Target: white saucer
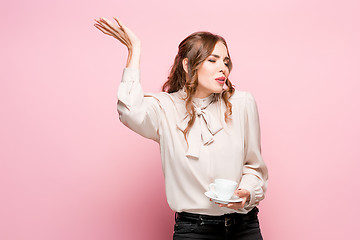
{"points": [[213, 196]]}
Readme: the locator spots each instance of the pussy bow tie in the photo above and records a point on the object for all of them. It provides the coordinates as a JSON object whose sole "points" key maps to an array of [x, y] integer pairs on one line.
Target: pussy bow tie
{"points": [[202, 132]]}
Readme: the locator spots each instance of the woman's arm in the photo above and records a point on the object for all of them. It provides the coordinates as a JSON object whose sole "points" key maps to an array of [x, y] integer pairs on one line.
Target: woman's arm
{"points": [[255, 172], [138, 112], [253, 183]]}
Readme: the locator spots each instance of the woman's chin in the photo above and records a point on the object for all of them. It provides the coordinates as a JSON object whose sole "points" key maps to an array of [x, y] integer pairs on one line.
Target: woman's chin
{"points": [[218, 89]]}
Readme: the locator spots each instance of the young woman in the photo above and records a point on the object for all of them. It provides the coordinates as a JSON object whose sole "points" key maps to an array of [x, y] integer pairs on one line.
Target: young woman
{"points": [[206, 130]]}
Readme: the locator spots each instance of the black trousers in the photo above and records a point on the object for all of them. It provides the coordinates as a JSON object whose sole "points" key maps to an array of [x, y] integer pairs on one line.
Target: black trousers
{"points": [[234, 226]]}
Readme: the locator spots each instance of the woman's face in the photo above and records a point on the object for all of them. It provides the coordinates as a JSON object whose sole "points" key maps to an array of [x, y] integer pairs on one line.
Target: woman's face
{"points": [[213, 67]]}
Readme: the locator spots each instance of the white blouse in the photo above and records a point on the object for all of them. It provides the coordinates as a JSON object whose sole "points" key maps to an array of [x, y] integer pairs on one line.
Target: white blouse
{"points": [[216, 149]]}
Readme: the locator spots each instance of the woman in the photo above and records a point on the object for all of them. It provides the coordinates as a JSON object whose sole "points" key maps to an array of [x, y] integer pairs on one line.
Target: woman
{"points": [[206, 130]]}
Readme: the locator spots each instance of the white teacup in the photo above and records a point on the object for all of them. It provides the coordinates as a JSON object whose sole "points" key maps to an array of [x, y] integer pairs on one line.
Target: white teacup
{"points": [[223, 188]]}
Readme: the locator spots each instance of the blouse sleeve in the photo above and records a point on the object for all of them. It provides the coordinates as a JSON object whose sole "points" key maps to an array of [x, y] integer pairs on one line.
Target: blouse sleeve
{"points": [[138, 112], [255, 172]]}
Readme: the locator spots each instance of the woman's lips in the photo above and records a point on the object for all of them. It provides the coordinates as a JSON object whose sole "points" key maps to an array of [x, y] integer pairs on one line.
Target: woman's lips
{"points": [[220, 80]]}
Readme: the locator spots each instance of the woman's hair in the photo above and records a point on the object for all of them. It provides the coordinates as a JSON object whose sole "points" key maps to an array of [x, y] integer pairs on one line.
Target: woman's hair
{"points": [[196, 48]]}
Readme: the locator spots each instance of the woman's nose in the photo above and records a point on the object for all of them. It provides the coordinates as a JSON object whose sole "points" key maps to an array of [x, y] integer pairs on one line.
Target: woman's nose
{"points": [[223, 68]]}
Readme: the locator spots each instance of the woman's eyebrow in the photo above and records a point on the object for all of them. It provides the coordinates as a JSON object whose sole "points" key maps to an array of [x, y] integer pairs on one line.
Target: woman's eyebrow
{"points": [[217, 56]]}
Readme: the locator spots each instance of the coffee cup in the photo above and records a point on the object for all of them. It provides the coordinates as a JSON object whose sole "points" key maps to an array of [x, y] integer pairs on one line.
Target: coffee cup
{"points": [[223, 188]]}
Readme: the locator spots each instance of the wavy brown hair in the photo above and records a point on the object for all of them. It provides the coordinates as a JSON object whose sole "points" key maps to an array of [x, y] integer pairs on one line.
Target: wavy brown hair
{"points": [[196, 48]]}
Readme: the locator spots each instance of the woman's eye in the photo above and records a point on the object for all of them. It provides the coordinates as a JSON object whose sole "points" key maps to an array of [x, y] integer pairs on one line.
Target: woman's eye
{"points": [[210, 60]]}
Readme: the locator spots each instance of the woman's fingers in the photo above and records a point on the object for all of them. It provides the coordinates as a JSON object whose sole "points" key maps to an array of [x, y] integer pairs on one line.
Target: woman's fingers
{"points": [[118, 32], [119, 23], [106, 26], [109, 32], [109, 25], [122, 26], [101, 28], [133, 39], [124, 30], [104, 30]]}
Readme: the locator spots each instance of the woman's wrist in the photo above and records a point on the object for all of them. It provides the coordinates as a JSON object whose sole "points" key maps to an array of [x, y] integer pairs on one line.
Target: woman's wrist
{"points": [[133, 60]]}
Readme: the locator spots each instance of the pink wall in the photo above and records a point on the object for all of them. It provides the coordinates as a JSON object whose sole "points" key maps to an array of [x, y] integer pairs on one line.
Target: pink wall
{"points": [[70, 170]]}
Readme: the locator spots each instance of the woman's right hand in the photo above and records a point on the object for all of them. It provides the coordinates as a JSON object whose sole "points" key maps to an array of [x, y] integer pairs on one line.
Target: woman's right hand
{"points": [[118, 31]]}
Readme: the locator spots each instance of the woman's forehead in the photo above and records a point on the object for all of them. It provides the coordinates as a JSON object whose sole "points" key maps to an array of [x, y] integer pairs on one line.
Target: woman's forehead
{"points": [[219, 50]]}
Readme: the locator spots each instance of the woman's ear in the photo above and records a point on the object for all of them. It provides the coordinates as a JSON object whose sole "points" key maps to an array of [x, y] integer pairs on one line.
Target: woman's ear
{"points": [[185, 64]]}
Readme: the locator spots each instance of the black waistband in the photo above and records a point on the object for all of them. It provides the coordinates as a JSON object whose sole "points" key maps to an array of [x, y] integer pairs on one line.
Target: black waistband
{"points": [[195, 217]]}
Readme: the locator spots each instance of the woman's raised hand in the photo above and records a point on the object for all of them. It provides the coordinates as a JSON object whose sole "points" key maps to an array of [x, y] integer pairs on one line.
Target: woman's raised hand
{"points": [[118, 31], [125, 36]]}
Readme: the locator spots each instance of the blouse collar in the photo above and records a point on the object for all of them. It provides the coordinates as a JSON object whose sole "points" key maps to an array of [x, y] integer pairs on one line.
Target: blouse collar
{"points": [[199, 102], [205, 125]]}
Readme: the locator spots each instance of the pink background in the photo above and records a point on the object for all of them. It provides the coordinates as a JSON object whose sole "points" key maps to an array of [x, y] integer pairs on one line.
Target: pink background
{"points": [[69, 168]]}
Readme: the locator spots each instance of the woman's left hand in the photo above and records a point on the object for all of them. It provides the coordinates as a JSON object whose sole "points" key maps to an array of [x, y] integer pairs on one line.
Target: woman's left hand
{"points": [[242, 193]]}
